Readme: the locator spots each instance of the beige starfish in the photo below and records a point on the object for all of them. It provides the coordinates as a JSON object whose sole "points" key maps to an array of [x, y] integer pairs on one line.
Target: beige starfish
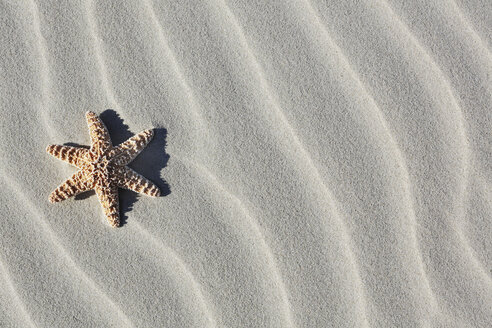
{"points": [[103, 168]]}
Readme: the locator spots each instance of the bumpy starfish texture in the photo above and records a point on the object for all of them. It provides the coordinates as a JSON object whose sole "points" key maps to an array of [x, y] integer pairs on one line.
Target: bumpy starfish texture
{"points": [[103, 168]]}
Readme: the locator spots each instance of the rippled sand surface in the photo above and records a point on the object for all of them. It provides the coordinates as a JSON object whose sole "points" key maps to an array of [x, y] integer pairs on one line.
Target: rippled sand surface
{"points": [[324, 163]]}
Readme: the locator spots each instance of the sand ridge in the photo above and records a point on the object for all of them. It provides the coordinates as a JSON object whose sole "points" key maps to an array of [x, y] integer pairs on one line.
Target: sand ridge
{"points": [[324, 163]]}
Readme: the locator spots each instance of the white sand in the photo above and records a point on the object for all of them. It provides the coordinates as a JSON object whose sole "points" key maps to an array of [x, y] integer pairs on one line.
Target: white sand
{"points": [[329, 163]]}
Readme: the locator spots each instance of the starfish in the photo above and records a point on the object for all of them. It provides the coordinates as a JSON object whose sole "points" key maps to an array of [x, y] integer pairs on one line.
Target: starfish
{"points": [[103, 168]]}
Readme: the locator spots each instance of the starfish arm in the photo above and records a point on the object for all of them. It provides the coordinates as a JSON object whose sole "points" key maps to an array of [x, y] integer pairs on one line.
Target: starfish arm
{"points": [[71, 187], [108, 197], [129, 179], [100, 140], [72, 155], [128, 150]]}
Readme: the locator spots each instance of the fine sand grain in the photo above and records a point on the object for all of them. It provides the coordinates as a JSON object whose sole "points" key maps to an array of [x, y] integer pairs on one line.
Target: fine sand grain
{"points": [[322, 163]]}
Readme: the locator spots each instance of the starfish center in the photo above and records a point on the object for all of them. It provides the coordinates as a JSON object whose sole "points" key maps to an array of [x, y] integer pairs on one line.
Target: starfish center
{"points": [[100, 170]]}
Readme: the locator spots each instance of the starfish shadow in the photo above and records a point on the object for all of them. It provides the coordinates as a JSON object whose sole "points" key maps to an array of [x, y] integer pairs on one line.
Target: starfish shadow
{"points": [[148, 163]]}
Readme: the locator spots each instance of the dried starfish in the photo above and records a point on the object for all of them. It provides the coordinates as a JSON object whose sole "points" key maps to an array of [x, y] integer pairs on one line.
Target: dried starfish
{"points": [[103, 168]]}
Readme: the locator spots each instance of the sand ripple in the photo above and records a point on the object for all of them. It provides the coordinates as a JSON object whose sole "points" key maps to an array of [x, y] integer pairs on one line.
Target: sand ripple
{"points": [[329, 163]]}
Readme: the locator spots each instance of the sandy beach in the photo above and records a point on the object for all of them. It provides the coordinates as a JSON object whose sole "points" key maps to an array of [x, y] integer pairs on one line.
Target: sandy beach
{"points": [[321, 163]]}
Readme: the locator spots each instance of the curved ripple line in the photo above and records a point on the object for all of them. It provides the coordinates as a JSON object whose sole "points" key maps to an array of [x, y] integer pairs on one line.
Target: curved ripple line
{"points": [[98, 52], [13, 185], [470, 26], [162, 38], [466, 165], [394, 144], [461, 209], [482, 268], [189, 91], [17, 299], [108, 89], [204, 304], [487, 275], [46, 82], [194, 106], [441, 75], [256, 229], [45, 79], [482, 184], [334, 208]]}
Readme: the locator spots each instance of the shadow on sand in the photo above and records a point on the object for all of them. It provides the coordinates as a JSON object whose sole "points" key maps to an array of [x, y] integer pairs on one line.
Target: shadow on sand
{"points": [[148, 163]]}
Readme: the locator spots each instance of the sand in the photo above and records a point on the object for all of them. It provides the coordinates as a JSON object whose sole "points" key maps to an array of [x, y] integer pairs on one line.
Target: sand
{"points": [[323, 163]]}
